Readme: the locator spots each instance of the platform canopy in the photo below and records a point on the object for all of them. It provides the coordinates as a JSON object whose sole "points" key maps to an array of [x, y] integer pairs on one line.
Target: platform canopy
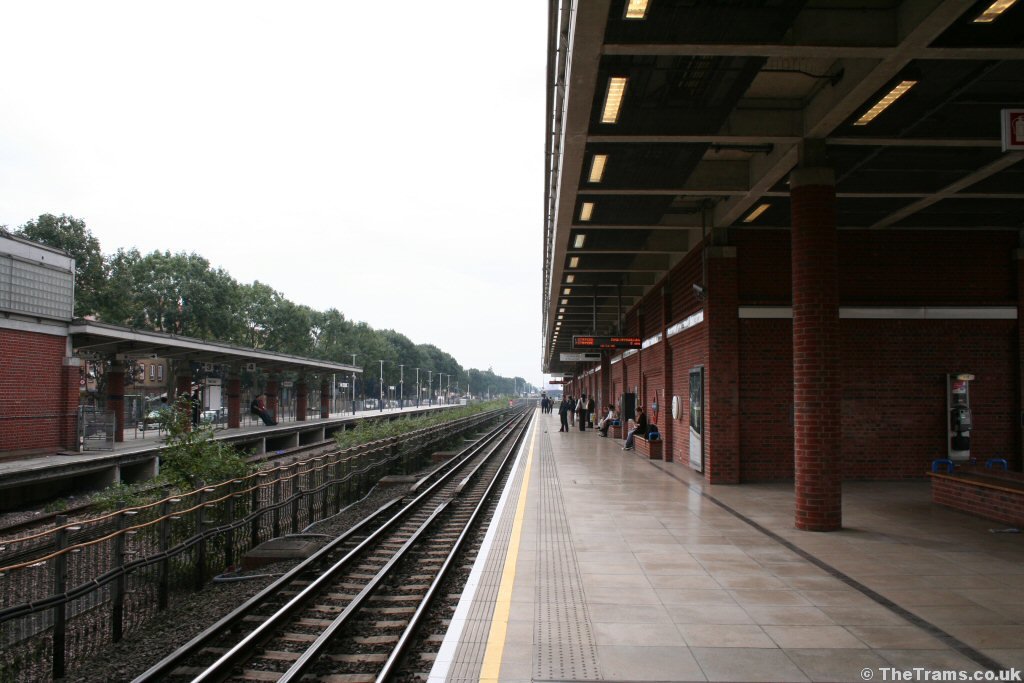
{"points": [[674, 120], [99, 340]]}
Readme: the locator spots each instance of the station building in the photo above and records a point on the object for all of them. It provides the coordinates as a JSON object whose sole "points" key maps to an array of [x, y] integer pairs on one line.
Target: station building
{"points": [[808, 216]]}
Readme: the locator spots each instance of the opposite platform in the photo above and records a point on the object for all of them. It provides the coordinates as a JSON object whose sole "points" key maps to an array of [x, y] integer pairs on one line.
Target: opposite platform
{"points": [[606, 566]]}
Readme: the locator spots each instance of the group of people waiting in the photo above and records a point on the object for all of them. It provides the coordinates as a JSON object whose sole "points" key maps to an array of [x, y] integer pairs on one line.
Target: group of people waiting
{"points": [[582, 409]]}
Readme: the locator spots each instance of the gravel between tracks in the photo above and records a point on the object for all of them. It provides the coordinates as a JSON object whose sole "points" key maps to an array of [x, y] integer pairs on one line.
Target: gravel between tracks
{"points": [[189, 616]]}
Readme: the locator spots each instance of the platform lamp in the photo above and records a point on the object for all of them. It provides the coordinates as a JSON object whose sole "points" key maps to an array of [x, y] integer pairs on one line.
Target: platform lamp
{"points": [[417, 387], [401, 386], [430, 387], [380, 404]]}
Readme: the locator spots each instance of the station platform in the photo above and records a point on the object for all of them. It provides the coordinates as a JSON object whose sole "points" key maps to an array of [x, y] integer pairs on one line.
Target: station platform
{"points": [[136, 459], [603, 565]]}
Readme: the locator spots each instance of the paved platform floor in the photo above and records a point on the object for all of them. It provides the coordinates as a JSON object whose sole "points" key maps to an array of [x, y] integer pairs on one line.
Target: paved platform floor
{"points": [[607, 566]]}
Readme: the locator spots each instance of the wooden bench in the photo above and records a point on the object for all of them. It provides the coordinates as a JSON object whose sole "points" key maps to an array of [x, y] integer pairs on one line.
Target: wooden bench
{"points": [[648, 449]]}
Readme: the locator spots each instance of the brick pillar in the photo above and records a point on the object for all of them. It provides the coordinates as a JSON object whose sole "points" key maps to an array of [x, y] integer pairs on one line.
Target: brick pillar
{"points": [[1019, 256], [72, 390], [234, 401], [325, 399], [301, 400], [183, 387], [115, 397], [816, 384], [668, 426], [606, 383], [721, 390], [271, 393]]}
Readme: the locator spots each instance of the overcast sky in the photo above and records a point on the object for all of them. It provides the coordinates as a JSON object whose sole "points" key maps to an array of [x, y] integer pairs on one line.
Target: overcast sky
{"points": [[381, 158]]}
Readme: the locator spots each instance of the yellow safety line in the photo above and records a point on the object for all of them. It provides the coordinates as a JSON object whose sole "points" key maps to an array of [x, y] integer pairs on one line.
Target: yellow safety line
{"points": [[499, 622]]}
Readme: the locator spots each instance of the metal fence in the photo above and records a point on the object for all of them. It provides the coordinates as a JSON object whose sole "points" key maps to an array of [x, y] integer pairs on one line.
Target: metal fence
{"points": [[68, 592], [96, 430]]}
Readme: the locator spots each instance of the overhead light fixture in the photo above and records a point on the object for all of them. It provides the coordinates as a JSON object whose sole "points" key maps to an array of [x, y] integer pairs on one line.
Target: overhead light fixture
{"points": [[574, 261], [565, 302], [580, 240], [561, 310], [567, 291], [752, 216], [586, 211], [559, 317], [613, 99], [636, 9], [993, 11], [569, 279], [885, 102], [597, 167]]}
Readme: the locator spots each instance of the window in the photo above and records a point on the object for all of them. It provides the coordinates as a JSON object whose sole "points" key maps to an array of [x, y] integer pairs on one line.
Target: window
{"points": [[152, 371], [160, 372]]}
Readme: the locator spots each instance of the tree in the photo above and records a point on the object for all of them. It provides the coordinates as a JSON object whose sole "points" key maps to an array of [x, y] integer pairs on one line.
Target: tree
{"points": [[70, 234]]}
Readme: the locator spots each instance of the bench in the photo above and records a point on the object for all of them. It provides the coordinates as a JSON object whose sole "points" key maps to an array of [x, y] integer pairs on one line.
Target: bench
{"points": [[648, 449]]}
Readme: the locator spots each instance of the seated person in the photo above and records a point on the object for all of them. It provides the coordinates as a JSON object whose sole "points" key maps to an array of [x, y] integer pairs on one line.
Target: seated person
{"points": [[607, 421], [640, 429], [257, 407]]}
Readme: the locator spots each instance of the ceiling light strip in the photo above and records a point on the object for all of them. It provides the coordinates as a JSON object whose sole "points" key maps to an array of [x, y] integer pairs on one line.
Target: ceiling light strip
{"points": [[993, 11], [887, 100], [613, 99]]}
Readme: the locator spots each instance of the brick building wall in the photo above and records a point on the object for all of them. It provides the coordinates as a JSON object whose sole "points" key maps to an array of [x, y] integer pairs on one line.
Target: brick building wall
{"points": [[38, 393]]}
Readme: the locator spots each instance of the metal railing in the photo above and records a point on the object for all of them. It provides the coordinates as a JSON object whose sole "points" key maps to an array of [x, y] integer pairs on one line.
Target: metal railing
{"points": [[96, 430]]}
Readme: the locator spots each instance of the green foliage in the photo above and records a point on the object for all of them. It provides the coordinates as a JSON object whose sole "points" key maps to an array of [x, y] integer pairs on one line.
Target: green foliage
{"points": [[368, 431], [192, 458], [128, 495]]}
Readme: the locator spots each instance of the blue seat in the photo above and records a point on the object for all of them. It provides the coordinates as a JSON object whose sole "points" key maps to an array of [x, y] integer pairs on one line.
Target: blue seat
{"points": [[992, 462], [940, 462]]}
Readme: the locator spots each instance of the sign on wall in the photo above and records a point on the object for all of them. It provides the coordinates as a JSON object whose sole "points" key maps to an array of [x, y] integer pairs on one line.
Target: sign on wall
{"points": [[1013, 129]]}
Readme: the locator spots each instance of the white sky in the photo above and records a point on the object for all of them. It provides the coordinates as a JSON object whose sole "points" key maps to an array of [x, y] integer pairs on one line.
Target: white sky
{"points": [[382, 158]]}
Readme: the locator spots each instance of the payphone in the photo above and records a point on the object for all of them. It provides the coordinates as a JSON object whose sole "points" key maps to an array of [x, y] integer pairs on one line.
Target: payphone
{"points": [[958, 415]]}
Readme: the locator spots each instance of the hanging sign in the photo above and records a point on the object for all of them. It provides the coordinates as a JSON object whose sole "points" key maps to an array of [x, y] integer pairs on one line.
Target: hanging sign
{"points": [[586, 342]]}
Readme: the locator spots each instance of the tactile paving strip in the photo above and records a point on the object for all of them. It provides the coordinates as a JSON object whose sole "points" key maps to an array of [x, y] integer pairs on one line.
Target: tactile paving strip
{"points": [[565, 643]]}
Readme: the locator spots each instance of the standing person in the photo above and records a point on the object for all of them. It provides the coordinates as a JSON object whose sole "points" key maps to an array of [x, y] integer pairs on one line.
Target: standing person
{"points": [[563, 414], [591, 408], [197, 404], [641, 428], [572, 411], [581, 408]]}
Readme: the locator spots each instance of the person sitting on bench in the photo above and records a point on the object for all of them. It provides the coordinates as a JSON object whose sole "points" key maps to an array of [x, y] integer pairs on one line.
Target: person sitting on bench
{"points": [[639, 430], [257, 407]]}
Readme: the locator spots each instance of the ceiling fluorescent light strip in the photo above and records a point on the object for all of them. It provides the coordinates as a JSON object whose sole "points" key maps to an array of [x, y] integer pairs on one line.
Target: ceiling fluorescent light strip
{"points": [[613, 99], [580, 240], [636, 9], [586, 211], [756, 212], [885, 102], [993, 11], [574, 261], [597, 168]]}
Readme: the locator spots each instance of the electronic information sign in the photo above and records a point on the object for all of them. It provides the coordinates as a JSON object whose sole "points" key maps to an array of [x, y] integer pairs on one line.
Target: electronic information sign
{"points": [[583, 342]]}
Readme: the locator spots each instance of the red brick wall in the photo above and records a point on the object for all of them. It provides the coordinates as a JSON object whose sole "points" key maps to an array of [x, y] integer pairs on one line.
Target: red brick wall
{"points": [[35, 409], [766, 400], [1002, 506]]}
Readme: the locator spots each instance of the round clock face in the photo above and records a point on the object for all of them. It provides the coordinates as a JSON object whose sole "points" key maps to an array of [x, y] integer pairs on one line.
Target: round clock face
{"points": [[677, 407]]}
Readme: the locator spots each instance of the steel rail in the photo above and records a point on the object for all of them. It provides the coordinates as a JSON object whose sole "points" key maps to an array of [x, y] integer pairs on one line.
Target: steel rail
{"points": [[390, 667], [164, 666]]}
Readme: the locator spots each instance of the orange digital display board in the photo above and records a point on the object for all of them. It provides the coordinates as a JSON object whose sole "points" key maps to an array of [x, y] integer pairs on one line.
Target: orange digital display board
{"points": [[584, 342]]}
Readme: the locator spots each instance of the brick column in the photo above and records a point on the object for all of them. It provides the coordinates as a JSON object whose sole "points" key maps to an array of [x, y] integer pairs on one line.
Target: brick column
{"points": [[668, 426], [816, 384], [183, 387], [721, 390], [325, 399], [271, 393], [72, 390], [234, 401], [1019, 464], [301, 400], [115, 397], [606, 384]]}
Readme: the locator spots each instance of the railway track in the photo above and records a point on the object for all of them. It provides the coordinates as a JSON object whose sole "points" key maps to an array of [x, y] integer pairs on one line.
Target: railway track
{"points": [[350, 612]]}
